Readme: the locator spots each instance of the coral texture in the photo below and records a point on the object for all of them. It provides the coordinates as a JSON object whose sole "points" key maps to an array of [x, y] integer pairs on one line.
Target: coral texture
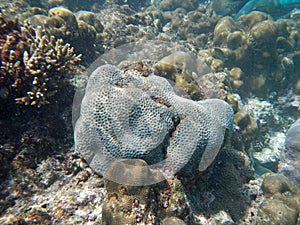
{"points": [[262, 48], [282, 204], [130, 201], [195, 26], [42, 181], [78, 30], [122, 25], [180, 68], [32, 64], [125, 114], [168, 5]]}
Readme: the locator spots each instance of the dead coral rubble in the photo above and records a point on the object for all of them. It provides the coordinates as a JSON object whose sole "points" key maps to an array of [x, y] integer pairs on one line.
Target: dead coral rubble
{"points": [[32, 64]]}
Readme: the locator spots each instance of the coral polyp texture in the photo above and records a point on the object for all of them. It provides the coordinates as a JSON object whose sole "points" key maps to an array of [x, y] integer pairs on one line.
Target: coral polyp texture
{"points": [[129, 114], [32, 64]]}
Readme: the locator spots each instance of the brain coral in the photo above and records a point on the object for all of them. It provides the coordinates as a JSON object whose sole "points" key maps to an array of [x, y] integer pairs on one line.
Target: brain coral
{"points": [[127, 114]]}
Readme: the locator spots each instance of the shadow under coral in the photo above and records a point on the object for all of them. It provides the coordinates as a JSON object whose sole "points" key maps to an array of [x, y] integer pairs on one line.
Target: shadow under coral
{"points": [[29, 135], [220, 187]]}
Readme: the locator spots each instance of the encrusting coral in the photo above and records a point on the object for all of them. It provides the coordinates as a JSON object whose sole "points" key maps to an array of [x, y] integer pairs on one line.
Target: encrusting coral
{"points": [[32, 64]]}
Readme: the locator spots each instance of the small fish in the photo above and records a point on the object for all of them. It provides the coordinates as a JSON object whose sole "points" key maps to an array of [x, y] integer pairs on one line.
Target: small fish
{"points": [[275, 8]]}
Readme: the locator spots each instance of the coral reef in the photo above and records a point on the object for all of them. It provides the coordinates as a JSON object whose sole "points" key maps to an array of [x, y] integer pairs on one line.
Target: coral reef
{"points": [[32, 65], [12, 9], [270, 155], [180, 68], [123, 25], [89, 18], [153, 113], [246, 124], [135, 4], [195, 26], [80, 32], [232, 170], [47, 198], [268, 141], [73, 4], [42, 179], [127, 204], [172, 220], [263, 49], [35, 70], [169, 5], [275, 200], [282, 201], [262, 129], [192, 76]]}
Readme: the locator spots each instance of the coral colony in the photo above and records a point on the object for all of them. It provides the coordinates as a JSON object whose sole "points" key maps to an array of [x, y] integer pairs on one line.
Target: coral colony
{"points": [[204, 129], [148, 120], [32, 64]]}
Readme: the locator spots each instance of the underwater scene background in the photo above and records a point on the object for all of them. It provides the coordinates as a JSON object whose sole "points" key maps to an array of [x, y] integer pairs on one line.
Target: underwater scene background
{"points": [[236, 165]]}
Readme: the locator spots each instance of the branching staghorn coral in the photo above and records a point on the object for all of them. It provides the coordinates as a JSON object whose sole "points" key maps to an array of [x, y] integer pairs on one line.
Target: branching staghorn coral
{"points": [[32, 64], [45, 61]]}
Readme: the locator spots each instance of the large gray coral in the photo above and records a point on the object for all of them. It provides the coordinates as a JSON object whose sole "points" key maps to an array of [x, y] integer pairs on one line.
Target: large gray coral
{"points": [[126, 114]]}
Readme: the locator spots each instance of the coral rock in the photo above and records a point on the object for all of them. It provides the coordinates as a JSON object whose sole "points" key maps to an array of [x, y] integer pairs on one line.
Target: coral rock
{"points": [[173, 221], [180, 68], [67, 16], [173, 4], [278, 213], [261, 47], [224, 27], [91, 19], [283, 200]]}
